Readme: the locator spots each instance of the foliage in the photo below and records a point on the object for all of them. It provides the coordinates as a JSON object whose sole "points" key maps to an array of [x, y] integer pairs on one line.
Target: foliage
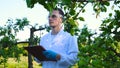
{"points": [[111, 26], [98, 52], [102, 51], [72, 9], [8, 41], [71, 16]]}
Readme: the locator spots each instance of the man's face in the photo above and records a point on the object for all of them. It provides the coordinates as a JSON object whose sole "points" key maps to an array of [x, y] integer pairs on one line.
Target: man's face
{"points": [[55, 19]]}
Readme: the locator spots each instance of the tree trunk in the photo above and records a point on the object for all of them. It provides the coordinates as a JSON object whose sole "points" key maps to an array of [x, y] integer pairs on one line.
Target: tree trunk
{"points": [[30, 64]]}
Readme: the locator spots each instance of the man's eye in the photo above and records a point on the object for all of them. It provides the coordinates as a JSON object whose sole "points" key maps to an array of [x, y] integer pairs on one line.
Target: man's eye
{"points": [[54, 16]]}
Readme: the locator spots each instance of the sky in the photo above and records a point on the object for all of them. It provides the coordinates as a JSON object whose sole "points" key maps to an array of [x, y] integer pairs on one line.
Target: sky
{"points": [[12, 9], [18, 9]]}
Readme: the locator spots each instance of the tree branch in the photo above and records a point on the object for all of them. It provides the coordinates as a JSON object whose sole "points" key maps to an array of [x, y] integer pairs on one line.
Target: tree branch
{"points": [[81, 10], [22, 42]]}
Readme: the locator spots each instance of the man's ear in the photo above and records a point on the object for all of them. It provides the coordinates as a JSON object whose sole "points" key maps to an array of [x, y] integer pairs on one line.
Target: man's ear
{"points": [[61, 20]]}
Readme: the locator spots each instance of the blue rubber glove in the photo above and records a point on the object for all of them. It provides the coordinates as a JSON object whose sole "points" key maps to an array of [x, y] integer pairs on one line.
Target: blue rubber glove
{"points": [[50, 54]]}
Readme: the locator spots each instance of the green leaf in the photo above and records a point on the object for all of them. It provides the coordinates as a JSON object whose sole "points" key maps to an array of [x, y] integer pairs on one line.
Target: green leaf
{"points": [[103, 9], [72, 12], [66, 2], [106, 3], [81, 19], [83, 10], [110, 14], [30, 3], [71, 21]]}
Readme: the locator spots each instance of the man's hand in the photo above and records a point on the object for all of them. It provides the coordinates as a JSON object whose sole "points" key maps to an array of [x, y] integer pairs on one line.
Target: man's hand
{"points": [[50, 54]]}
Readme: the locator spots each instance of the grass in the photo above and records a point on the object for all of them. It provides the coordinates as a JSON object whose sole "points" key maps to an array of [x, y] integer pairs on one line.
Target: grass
{"points": [[23, 63], [12, 63]]}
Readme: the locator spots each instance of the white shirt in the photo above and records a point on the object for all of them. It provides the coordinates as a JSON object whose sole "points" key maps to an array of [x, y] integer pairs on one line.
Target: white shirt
{"points": [[65, 45]]}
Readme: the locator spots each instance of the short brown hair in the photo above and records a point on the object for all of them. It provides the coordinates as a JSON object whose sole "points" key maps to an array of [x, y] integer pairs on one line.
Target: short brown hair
{"points": [[60, 11]]}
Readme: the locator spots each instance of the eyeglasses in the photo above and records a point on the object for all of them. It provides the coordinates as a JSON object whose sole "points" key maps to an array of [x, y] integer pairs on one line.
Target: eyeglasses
{"points": [[54, 16]]}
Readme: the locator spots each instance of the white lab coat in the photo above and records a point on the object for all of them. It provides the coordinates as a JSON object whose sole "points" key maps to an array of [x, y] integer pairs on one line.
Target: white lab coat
{"points": [[65, 45]]}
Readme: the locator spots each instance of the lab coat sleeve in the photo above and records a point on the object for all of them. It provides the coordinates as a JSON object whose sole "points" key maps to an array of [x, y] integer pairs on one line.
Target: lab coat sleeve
{"points": [[70, 57]]}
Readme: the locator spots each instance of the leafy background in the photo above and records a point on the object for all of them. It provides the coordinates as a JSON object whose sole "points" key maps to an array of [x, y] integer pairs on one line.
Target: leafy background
{"points": [[97, 50]]}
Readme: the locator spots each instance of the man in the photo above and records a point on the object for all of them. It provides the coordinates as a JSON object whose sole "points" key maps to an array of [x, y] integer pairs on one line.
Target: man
{"points": [[59, 45]]}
